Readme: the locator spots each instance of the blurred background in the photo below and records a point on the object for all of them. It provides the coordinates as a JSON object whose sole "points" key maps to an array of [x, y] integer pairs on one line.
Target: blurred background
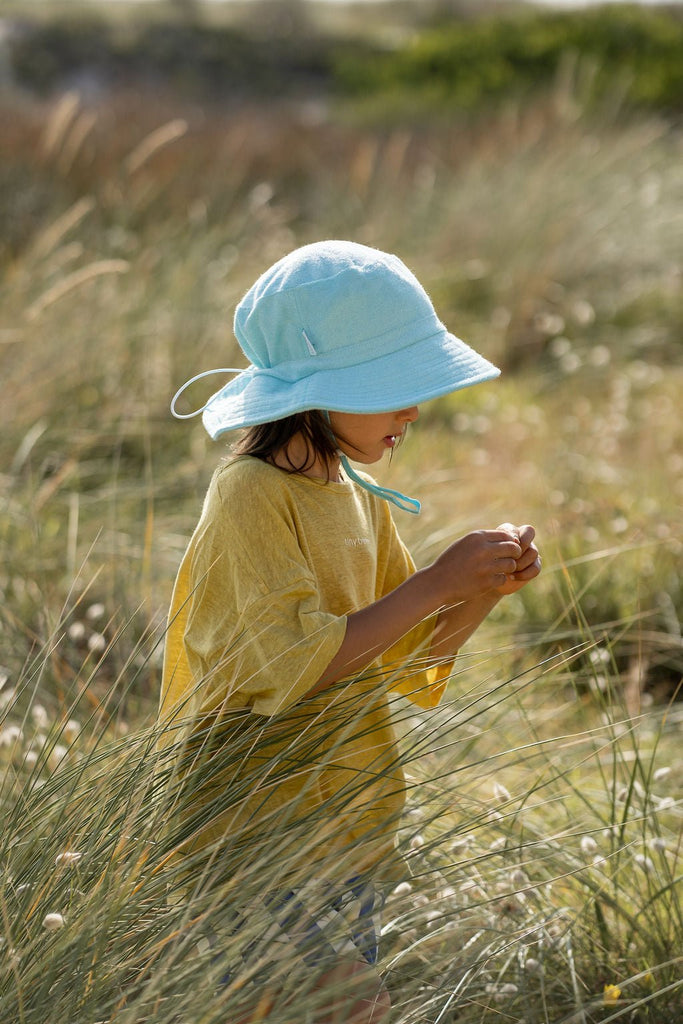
{"points": [[525, 160]]}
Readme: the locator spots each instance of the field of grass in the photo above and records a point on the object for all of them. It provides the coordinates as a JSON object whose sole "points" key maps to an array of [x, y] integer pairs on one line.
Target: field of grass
{"points": [[544, 821]]}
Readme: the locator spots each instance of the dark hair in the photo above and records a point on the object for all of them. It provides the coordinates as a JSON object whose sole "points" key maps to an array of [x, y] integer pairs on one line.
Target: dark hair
{"points": [[265, 440]]}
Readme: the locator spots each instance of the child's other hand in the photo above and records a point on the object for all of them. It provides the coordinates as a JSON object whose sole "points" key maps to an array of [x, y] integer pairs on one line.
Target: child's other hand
{"points": [[528, 563]]}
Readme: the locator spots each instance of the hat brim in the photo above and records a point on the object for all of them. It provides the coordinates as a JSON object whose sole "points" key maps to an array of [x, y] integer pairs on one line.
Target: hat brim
{"points": [[426, 369]]}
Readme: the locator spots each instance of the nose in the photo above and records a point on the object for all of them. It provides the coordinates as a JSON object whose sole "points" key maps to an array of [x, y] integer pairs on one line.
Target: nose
{"points": [[410, 414]]}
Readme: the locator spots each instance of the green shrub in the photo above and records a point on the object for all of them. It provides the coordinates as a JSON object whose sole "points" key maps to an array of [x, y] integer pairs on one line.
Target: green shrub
{"points": [[481, 61]]}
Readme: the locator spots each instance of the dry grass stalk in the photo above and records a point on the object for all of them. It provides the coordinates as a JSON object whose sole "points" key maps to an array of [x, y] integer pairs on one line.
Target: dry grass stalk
{"points": [[75, 280], [156, 140], [60, 122], [50, 238]]}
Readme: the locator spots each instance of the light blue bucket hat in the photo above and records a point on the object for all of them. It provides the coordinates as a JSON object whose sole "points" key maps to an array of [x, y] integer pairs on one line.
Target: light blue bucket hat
{"points": [[337, 326]]}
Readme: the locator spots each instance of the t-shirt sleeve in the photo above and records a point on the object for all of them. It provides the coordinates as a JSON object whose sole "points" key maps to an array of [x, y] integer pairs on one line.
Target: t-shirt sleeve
{"points": [[408, 667], [255, 635]]}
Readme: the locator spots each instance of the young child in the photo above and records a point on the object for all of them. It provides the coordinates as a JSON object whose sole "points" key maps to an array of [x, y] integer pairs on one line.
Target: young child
{"points": [[297, 607]]}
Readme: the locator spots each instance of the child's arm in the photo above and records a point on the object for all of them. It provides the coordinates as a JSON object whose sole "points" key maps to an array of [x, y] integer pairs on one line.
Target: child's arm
{"points": [[463, 584]]}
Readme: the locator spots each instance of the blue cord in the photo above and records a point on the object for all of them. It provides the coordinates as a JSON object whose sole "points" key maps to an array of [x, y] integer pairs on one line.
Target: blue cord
{"points": [[401, 501]]}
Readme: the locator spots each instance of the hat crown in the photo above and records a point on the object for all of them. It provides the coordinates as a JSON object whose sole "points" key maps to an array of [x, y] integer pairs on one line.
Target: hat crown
{"points": [[339, 326], [328, 297]]}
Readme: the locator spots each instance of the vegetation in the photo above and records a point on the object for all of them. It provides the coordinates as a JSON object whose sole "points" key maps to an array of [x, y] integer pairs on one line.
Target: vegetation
{"points": [[274, 48], [543, 827], [630, 51]]}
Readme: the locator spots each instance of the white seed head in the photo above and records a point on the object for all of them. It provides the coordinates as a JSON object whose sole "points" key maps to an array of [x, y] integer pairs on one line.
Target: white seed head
{"points": [[6, 698], [571, 362], [10, 735], [53, 922], [95, 612], [76, 632], [473, 890], [500, 792], [588, 846], [658, 844], [39, 716], [71, 730], [501, 993], [68, 858], [97, 643], [57, 755], [661, 773], [583, 312], [645, 863], [460, 843]]}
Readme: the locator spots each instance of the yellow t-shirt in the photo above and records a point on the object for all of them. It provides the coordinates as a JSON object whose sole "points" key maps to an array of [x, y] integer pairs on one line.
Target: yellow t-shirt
{"points": [[259, 608]]}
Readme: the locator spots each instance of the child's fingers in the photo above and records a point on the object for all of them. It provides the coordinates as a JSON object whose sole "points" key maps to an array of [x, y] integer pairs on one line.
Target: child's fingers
{"points": [[526, 535], [530, 571], [505, 545], [527, 558], [509, 529]]}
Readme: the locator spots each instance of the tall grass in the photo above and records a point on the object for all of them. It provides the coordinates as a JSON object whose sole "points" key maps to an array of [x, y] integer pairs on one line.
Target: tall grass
{"points": [[543, 826], [544, 876]]}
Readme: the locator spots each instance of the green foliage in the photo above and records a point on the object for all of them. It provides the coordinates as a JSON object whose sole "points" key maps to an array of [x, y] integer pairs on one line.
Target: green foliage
{"points": [[191, 57], [470, 63]]}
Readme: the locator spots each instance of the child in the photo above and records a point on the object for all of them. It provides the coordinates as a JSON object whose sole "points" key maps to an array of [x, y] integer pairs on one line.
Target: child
{"points": [[297, 607]]}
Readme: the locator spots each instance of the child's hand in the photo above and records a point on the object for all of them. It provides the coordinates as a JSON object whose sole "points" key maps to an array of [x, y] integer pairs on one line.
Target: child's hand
{"points": [[528, 563], [476, 564]]}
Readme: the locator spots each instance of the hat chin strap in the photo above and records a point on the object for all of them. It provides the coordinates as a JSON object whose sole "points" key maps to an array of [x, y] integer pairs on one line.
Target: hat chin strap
{"points": [[197, 376], [396, 498]]}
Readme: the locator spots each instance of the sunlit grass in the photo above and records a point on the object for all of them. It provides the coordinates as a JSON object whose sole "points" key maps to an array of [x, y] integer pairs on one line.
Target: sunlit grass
{"points": [[544, 862], [544, 816]]}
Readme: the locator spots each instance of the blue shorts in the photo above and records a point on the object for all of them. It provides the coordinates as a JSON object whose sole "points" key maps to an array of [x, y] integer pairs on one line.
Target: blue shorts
{"points": [[315, 925]]}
